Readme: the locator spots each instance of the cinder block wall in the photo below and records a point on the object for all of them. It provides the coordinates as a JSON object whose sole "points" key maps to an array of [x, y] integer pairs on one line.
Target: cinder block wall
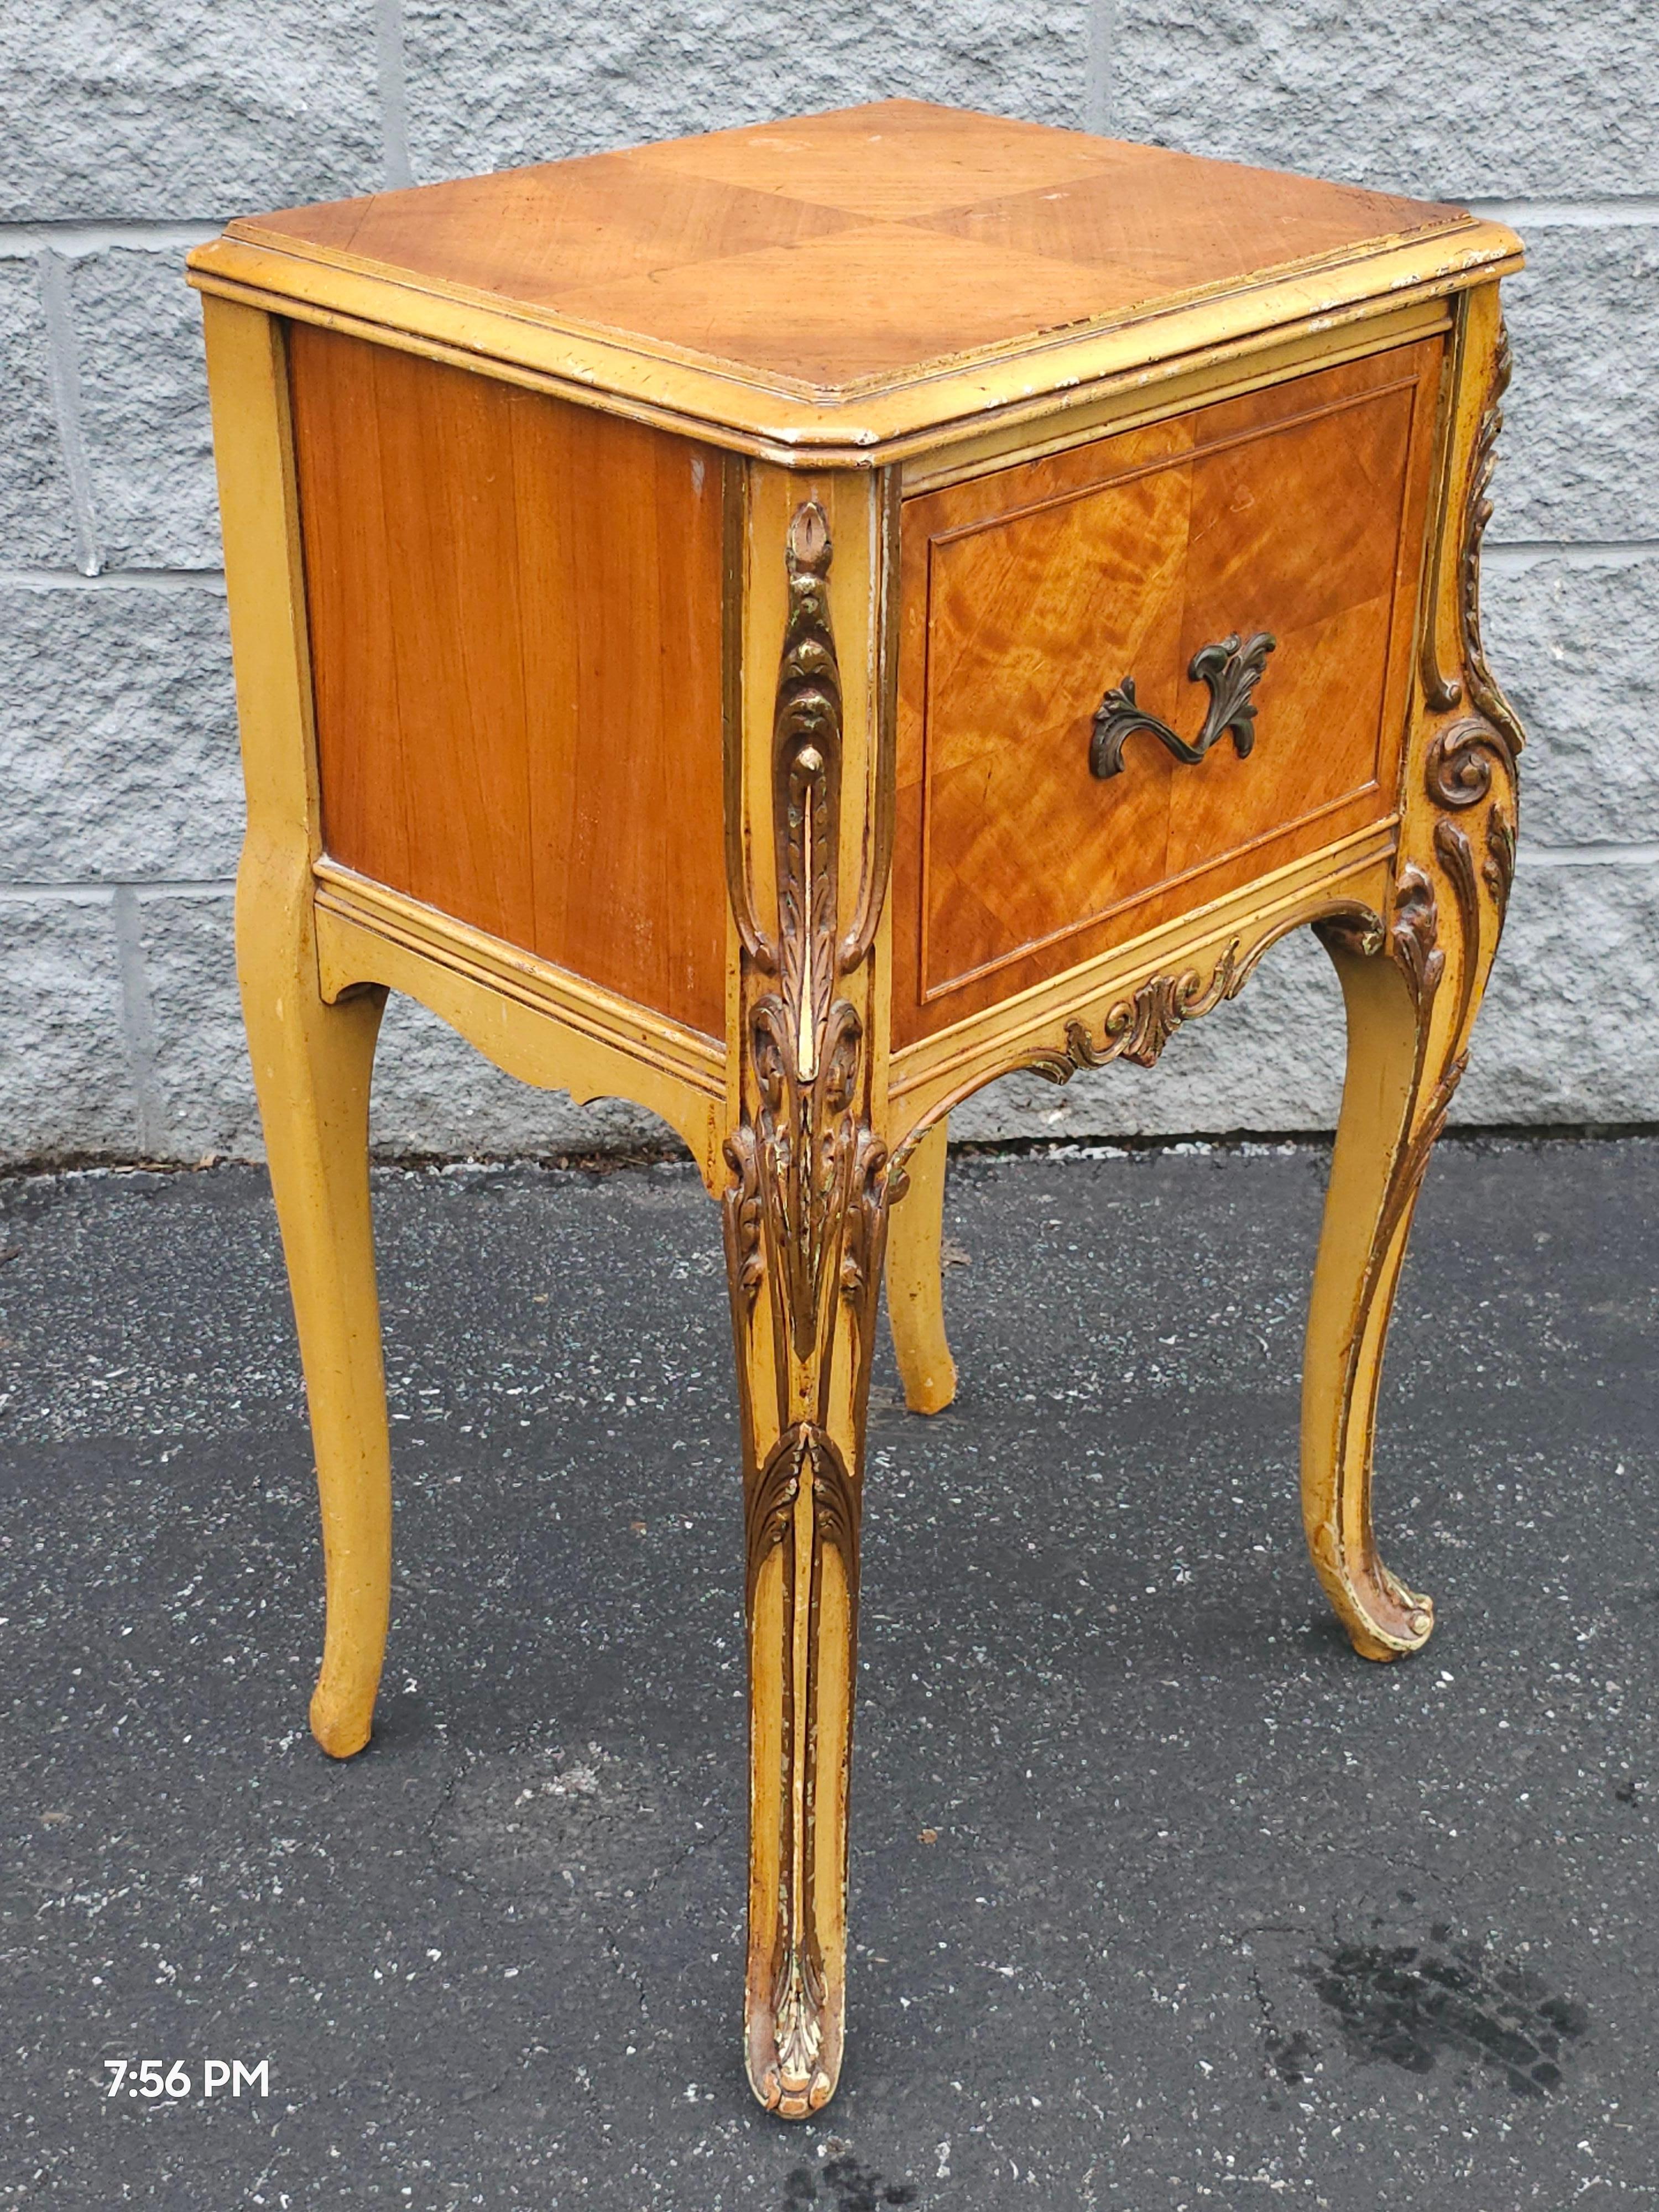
{"points": [[130, 131]]}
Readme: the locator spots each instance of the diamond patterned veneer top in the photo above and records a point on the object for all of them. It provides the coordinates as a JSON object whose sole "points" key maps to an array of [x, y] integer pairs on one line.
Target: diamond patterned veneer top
{"points": [[837, 257]]}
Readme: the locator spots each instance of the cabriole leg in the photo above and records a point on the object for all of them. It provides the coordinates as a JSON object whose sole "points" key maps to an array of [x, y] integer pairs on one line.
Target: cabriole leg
{"points": [[1413, 989], [312, 1064], [806, 1220], [915, 1291], [1412, 994], [1389, 1118], [311, 1059]]}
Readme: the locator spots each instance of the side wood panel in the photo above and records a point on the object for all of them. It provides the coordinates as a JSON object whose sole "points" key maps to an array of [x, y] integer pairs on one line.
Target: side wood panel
{"points": [[515, 625], [1027, 592]]}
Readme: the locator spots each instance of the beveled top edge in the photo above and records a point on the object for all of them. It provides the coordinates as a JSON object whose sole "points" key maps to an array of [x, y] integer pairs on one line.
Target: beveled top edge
{"points": [[842, 394], [803, 428]]}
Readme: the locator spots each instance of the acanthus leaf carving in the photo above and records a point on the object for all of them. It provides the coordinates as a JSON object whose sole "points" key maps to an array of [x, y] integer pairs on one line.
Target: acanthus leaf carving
{"points": [[1457, 855], [1457, 768], [805, 1460], [1456, 852], [1472, 761], [808, 1166], [806, 750], [1413, 934], [743, 1211], [1499, 868], [1411, 938], [1485, 694], [1459, 771], [1360, 931]]}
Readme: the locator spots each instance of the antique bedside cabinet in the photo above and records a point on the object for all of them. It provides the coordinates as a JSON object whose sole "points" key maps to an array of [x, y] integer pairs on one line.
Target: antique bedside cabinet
{"points": [[787, 626]]}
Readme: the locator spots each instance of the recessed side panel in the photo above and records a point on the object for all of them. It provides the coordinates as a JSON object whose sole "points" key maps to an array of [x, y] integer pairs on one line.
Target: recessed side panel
{"points": [[514, 607], [1096, 734]]}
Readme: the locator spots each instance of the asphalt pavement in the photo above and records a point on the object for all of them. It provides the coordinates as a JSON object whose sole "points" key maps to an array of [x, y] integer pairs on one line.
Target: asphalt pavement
{"points": [[1161, 1898]]}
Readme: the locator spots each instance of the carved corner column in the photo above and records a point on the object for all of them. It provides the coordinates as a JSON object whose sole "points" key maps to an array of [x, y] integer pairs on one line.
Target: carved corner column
{"points": [[809, 799], [1412, 983]]}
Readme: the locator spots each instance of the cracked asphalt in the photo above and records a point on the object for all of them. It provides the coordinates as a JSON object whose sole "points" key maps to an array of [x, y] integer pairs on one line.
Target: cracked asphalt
{"points": [[1161, 1898]]}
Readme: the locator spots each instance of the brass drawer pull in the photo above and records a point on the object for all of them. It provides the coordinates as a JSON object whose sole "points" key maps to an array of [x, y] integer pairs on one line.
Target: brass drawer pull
{"points": [[1232, 670]]}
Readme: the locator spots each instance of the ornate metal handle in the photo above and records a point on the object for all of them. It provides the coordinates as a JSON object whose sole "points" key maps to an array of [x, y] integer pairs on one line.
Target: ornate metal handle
{"points": [[1232, 670]]}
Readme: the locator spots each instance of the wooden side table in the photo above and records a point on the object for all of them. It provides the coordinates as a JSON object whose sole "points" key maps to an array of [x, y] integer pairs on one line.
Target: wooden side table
{"points": [[789, 625]]}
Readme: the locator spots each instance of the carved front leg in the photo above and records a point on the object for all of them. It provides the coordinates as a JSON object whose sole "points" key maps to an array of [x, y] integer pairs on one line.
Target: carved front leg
{"points": [[1413, 989], [805, 1219], [804, 1284]]}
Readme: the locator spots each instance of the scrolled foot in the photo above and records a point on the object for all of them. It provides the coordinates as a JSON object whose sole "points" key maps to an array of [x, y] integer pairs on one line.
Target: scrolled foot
{"points": [[1384, 1618], [794, 2050]]}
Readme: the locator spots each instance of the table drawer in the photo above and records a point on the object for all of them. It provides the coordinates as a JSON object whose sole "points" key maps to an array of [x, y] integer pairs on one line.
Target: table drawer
{"points": [[1056, 612]]}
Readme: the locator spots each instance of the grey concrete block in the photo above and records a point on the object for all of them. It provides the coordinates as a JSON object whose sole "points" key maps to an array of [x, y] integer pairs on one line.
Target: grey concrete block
{"points": [[36, 521], [144, 411], [117, 734], [1554, 96], [1569, 1034], [1570, 1030], [116, 726], [1580, 451], [181, 109], [434, 1094], [199, 1090], [66, 1090], [1576, 649], [490, 87]]}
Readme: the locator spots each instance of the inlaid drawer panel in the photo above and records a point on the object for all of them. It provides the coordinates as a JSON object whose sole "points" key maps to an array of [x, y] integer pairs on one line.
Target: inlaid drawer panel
{"points": [[1056, 613]]}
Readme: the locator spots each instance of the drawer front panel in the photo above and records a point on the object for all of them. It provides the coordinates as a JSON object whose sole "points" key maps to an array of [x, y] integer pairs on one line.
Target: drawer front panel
{"points": [[1031, 593]]}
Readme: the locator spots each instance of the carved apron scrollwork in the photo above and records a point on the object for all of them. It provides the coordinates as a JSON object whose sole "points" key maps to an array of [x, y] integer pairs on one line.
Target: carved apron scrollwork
{"points": [[1137, 1028]]}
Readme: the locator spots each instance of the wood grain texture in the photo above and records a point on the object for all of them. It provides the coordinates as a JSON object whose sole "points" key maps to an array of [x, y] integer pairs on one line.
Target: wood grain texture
{"points": [[516, 623], [836, 250], [1029, 591]]}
